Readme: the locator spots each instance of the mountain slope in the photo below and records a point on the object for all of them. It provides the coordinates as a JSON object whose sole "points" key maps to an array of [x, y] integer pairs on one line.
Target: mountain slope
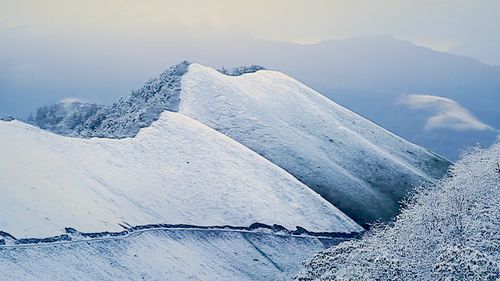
{"points": [[175, 171], [359, 167]]}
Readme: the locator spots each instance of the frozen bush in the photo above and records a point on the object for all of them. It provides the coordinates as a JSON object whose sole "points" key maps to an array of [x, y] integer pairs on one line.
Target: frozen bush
{"points": [[447, 231]]}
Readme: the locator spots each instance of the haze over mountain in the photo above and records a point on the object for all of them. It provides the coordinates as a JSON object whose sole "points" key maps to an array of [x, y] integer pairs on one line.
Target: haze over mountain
{"points": [[368, 74]]}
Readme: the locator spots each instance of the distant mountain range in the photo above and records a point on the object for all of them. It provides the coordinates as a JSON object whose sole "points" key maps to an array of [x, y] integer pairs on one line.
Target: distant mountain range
{"points": [[368, 74]]}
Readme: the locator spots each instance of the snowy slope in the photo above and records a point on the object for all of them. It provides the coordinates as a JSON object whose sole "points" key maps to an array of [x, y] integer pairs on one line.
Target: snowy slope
{"points": [[176, 170], [163, 255], [358, 166]]}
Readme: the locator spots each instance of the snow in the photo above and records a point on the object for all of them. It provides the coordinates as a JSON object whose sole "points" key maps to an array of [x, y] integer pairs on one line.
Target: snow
{"points": [[79, 118], [177, 170], [358, 166], [163, 255], [198, 147]]}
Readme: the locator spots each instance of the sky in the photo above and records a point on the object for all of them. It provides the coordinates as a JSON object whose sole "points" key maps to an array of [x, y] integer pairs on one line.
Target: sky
{"points": [[440, 24], [43, 42]]}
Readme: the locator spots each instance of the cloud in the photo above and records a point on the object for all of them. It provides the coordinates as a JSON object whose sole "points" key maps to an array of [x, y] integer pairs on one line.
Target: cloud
{"points": [[73, 100], [445, 113]]}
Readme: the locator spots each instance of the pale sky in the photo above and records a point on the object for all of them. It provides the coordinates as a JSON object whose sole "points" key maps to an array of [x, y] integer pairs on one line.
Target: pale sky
{"points": [[52, 49], [440, 24]]}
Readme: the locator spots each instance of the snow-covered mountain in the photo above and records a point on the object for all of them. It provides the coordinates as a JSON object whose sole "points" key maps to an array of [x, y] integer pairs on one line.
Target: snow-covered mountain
{"points": [[355, 164], [177, 170], [210, 150]]}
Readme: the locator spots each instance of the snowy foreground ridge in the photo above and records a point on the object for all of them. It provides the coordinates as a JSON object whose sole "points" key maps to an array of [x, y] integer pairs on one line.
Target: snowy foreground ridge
{"points": [[165, 254], [175, 171]]}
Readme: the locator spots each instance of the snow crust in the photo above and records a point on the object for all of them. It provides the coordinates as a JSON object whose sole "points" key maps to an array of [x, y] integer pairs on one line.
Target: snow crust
{"points": [[177, 170], [358, 166]]}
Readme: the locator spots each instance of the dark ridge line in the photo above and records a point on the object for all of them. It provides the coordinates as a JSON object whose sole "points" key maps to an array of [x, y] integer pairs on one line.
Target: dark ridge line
{"points": [[74, 235]]}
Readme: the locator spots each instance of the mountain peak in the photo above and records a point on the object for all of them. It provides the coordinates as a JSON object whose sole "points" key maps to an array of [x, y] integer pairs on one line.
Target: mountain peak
{"points": [[336, 152]]}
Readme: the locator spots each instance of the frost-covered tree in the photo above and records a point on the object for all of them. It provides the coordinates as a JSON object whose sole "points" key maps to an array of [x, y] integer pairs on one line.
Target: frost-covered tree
{"points": [[66, 117], [127, 116], [240, 70], [122, 119], [447, 231]]}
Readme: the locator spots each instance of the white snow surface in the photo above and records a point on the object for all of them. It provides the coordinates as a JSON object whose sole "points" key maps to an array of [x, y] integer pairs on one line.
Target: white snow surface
{"points": [[358, 166], [163, 255], [175, 171]]}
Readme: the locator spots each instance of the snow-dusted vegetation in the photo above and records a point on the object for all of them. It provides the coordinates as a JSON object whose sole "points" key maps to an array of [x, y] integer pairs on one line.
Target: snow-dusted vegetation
{"points": [[67, 117], [240, 70], [449, 231], [127, 116], [122, 119], [76, 118]]}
